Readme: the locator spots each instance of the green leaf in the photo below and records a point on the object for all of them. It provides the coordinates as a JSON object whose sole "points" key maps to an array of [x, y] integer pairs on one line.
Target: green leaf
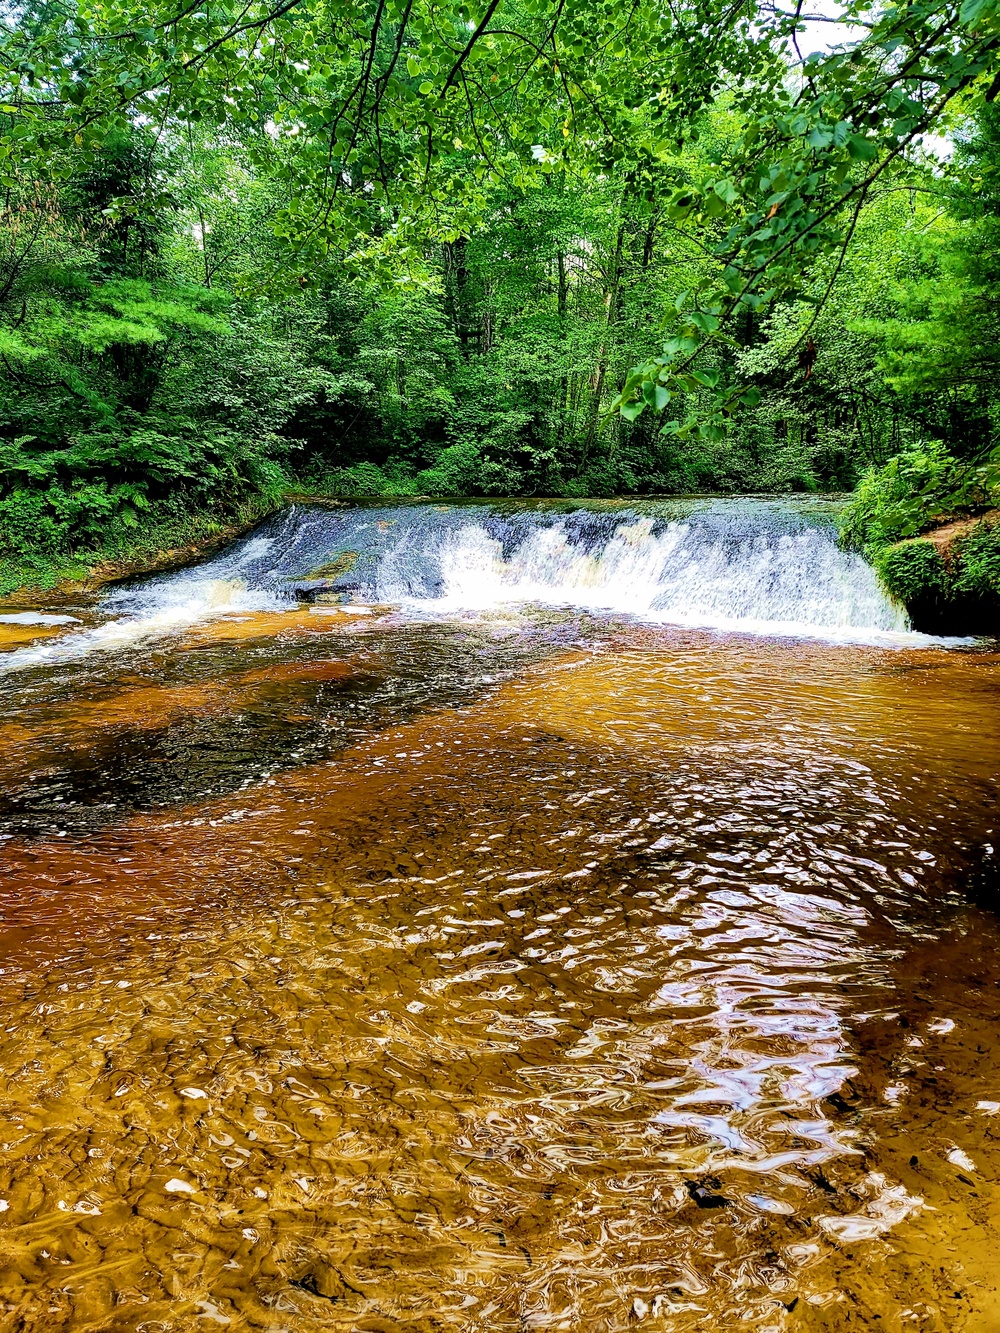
{"points": [[974, 12], [727, 191], [681, 204], [708, 323], [713, 206], [820, 137], [861, 149]]}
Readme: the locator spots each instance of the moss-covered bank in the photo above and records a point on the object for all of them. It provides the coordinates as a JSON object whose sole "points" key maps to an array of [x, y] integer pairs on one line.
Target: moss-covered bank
{"points": [[949, 578], [930, 525], [47, 577]]}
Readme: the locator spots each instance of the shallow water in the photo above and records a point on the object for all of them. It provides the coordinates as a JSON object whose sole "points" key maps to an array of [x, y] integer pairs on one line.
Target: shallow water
{"points": [[529, 969]]}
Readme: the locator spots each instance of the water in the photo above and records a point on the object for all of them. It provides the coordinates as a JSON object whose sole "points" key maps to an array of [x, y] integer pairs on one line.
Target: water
{"points": [[762, 565], [509, 957]]}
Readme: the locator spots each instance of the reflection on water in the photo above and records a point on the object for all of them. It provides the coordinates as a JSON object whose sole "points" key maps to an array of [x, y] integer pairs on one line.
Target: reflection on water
{"points": [[535, 973]]}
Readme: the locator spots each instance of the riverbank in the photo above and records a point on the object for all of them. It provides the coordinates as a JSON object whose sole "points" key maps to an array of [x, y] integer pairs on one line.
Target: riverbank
{"points": [[929, 523], [948, 577], [51, 579]]}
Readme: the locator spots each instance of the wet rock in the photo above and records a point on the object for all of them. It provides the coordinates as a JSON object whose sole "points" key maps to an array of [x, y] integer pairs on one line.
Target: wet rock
{"points": [[331, 599], [333, 569], [984, 882], [323, 591], [328, 583]]}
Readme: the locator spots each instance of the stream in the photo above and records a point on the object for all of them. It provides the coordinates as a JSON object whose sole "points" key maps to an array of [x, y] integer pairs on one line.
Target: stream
{"points": [[500, 916]]}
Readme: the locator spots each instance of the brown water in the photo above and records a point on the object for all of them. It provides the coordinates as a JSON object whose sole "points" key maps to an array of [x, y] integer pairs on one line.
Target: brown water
{"points": [[522, 974]]}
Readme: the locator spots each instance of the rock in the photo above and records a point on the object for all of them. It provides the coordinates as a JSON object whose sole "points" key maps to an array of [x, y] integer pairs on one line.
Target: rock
{"points": [[327, 592]]}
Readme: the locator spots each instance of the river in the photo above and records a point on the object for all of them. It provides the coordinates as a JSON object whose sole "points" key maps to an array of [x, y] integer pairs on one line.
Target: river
{"points": [[571, 917]]}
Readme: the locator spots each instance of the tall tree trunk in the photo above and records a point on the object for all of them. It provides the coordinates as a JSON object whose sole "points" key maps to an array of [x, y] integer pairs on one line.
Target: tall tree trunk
{"points": [[647, 245], [457, 284], [611, 295], [562, 305]]}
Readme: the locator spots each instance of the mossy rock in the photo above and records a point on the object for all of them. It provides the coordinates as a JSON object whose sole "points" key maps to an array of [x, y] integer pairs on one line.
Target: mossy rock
{"points": [[341, 564], [948, 580]]}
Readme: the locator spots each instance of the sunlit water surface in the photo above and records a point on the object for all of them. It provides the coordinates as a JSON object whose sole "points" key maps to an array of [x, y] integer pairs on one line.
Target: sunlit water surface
{"points": [[476, 965]]}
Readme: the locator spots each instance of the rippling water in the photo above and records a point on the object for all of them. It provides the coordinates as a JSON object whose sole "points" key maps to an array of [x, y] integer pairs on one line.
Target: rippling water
{"points": [[536, 969]]}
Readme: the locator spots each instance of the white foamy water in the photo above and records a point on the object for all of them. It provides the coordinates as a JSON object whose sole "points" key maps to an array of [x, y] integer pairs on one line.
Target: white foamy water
{"points": [[754, 566], [758, 581], [158, 607], [36, 618]]}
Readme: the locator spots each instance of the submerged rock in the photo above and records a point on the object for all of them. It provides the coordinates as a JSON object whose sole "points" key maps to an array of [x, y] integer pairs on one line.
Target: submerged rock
{"points": [[324, 592], [702, 1194]]}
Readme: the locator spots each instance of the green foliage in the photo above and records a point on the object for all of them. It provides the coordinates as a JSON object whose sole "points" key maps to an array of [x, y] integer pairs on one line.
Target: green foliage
{"points": [[915, 491], [977, 561], [123, 546], [919, 487], [943, 337], [912, 571], [365, 479], [917, 573], [402, 248], [391, 124]]}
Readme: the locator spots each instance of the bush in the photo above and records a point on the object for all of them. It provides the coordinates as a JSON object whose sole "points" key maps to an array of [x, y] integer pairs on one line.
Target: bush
{"points": [[62, 500], [364, 480], [977, 561], [916, 488], [946, 590], [912, 571]]}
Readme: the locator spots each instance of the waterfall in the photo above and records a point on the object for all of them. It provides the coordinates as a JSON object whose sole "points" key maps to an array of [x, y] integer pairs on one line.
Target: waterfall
{"points": [[698, 572], [764, 566]]}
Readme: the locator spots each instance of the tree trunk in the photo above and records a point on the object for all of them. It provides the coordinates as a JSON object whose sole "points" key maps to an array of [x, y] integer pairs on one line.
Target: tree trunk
{"points": [[611, 294]]}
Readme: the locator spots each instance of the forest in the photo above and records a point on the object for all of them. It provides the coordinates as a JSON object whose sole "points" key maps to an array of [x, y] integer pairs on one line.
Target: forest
{"points": [[500, 666], [548, 248]]}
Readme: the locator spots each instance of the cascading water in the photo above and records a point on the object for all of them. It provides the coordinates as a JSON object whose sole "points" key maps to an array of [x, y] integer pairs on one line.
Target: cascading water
{"points": [[755, 565]]}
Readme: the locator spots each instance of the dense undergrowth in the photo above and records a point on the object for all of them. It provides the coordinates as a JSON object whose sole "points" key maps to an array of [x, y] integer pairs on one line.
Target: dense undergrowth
{"points": [[121, 548], [952, 581]]}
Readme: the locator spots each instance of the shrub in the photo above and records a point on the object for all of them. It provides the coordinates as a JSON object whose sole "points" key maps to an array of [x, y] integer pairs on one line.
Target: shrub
{"points": [[364, 480], [912, 571], [914, 489], [977, 561]]}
